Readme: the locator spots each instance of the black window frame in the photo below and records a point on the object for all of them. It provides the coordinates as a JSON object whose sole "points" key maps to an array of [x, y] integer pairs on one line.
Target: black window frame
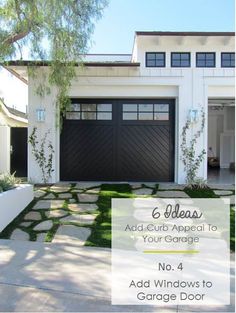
{"points": [[205, 59], [154, 53], [228, 66], [95, 110], [139, 112], [181, 53]]}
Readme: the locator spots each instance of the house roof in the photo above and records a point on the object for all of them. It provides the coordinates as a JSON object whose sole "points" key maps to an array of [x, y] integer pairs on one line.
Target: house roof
{"points": [[17, 112], [47, 63], [19, 67], [13, 113], [169, 33]]}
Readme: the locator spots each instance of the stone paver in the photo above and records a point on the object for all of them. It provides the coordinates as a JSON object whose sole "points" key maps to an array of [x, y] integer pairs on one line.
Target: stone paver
{"points": [[62, 184], [64, 195], [50, 196], [142, 191], [56, 213], [76, 190], [223, 192], [60, 188], [82, 207], [67, 233], [72, 200], [48, 204], [93, 191], [83, 197], [19, 234], [151, 185], [43, 188], [86, 185], [221, 186], [171, 194], [46, 225], [41, 237], [79, 218], [25, 224], [136, 185], [39, 193], [169, 186], [35, 216]]}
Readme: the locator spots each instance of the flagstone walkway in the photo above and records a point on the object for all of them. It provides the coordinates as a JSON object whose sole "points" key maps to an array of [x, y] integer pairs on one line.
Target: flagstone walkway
{"points": [[60, 213], [68, 211]]}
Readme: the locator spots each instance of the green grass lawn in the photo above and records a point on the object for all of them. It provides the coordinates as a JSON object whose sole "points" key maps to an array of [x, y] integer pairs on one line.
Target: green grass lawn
{"points": [[101, 230]]}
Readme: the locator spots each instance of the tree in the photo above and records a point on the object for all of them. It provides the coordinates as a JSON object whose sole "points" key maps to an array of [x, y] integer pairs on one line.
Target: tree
{"points": [[54, 30]]}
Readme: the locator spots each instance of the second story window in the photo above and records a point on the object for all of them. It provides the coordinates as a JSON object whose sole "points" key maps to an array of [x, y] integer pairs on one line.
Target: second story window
{"points": [[155, 59], [227, 59], [205, 59], [180, 59]]}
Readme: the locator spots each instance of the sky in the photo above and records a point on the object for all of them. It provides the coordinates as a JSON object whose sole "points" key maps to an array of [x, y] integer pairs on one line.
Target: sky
{"points": [[114, 33]]}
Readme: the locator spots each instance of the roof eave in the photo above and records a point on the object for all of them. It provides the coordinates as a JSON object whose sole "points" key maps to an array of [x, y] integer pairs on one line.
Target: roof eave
{"points": [[87, 64], [169, 33]]}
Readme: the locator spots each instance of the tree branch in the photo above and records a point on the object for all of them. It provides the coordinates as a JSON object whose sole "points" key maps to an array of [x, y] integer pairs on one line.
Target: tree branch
{"points": [[15, 37]]}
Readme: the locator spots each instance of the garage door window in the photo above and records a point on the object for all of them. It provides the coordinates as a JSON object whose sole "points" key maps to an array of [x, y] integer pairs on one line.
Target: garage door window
{"points": [[90, 111], [146, 112]]}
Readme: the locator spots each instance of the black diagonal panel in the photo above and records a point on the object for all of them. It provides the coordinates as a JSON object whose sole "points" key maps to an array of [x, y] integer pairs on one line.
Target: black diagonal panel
{"points": [[117, 149], [86, 152]]}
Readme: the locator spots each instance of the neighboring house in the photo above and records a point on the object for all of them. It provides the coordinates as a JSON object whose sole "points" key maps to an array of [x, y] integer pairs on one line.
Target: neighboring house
{"points": [[128, 111], [12, 124]]}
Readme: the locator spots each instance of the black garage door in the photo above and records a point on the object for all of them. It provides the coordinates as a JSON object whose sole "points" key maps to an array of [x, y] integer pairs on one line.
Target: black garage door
{"points": [[123, 140]]}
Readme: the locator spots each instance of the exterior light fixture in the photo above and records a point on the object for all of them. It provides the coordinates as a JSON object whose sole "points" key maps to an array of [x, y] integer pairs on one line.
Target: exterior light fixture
{"points": [[40, 115], [193, 116]]}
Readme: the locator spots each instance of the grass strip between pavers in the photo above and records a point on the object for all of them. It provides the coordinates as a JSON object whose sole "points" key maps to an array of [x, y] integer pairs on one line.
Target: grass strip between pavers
{"points": [[101, 229]]}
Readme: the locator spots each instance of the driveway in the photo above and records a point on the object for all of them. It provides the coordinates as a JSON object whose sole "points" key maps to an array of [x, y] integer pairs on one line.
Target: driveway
{"points": [[65, 277]]}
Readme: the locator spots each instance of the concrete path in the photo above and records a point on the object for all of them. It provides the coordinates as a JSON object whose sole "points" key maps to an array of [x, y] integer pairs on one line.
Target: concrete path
{"points": [[64, 277]]}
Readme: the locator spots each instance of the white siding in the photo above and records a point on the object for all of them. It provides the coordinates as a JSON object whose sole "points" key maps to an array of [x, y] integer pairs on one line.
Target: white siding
{"points": [[191, 87]]}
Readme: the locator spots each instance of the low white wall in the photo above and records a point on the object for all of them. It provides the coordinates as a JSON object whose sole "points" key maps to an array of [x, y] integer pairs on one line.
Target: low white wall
{"points": [[13, 201], [5, 136]]}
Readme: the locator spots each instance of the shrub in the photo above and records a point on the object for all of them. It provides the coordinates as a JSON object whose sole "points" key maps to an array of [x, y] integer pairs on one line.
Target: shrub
{"points": [[8, 181]]}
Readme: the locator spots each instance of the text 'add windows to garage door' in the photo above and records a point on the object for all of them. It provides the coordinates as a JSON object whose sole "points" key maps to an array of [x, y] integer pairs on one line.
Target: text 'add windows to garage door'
{"points": [[118, 140]]}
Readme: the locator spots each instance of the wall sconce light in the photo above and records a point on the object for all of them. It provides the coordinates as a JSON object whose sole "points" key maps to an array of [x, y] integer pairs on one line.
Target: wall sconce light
{"points": [[40, 115], [193, 116]]}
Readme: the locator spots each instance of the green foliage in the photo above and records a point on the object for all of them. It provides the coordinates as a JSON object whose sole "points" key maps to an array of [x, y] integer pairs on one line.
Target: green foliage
{"points": [[45, 162], [200, 192], [8, 181], [189, 158], [58, 31]]}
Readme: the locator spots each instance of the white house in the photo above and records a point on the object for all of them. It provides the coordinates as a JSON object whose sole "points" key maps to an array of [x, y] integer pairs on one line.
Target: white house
{"points": [[128, 111], [11, 121]]}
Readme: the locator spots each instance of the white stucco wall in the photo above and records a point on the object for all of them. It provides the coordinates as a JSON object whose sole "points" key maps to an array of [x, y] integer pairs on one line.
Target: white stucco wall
{"points": [[190, 87], [5, 141]]}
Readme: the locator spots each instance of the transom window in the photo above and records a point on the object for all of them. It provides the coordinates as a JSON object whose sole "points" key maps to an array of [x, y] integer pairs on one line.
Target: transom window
{"points": [[90, 111], [155, 59], [205, 59], [180, 59], [146, 112], [227, 59]]}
